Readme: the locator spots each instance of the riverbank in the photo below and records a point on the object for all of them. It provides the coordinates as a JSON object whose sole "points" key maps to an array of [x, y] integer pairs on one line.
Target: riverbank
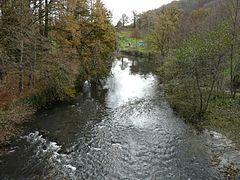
{"points": [[206, 110], [141, 54], [224, 154], [17, 108], [130, 45], [14, 115], [222, 116], [11, 120], [220, 129]]}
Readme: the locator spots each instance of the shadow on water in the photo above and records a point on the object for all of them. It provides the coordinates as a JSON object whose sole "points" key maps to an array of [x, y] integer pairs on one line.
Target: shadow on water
{"points": [[122, 130]]}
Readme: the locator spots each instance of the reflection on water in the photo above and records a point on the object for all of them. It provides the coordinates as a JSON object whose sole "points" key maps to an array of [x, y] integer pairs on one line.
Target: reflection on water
{"points": [[124, 131], [124, 87]]}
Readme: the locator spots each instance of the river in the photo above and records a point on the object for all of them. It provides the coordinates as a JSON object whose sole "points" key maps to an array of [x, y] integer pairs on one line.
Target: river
{"points": [[122, 130]]}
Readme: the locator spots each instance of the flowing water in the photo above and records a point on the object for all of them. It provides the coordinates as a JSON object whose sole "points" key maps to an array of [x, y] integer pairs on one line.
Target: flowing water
{"points": [[123, 130]]}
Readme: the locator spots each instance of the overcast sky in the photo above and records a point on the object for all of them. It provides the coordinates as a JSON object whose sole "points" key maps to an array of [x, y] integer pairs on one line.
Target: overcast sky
{"points": [[118, 7]]}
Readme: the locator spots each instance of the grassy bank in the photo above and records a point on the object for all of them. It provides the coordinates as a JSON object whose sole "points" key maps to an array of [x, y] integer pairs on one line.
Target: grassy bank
{"points": [[131, 46], [127, 42], [223, 114]]}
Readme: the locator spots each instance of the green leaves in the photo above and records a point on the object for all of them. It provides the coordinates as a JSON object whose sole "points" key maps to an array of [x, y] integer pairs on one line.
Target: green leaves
{"points": [[193, 69]]}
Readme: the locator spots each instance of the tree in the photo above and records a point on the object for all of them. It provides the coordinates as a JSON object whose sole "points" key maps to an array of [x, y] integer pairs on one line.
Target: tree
{"points": [[195, 68], [234, 13], [43, 42], [119, 24], [16, 35], [146, 21], [136, 34], [124, 20], [92, 41], [135, 18], [161, 37], [48, 48]]}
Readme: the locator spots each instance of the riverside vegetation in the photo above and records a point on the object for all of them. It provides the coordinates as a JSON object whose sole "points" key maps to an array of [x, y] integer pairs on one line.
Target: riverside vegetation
{"points": [[198, 41], [48, 48], [201, 69]]}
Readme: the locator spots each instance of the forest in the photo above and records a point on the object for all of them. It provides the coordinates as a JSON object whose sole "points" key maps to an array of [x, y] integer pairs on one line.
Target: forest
{"points": [[48, 48]]}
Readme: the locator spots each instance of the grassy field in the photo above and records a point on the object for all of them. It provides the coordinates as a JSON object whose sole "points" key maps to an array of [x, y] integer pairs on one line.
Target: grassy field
{"points": [[126, 42]]}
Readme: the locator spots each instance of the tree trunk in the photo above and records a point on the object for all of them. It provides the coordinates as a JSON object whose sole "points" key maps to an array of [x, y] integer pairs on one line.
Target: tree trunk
{"points": [[234, 37], [40, 18], [20, 85], [32, 68], [46, 18], [200, 112]]}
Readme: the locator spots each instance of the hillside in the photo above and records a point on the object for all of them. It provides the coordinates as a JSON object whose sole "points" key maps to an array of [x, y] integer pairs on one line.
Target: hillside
{"points": [[146, 20]]}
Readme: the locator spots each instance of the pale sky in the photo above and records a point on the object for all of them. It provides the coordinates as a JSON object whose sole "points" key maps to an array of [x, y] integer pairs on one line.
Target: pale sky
{"points": [[118, 7]]}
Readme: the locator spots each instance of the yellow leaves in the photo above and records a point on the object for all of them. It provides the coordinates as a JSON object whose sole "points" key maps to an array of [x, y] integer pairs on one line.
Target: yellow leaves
{"points": [[86, 31], [200, 14], [165, 26], [77, 4], [171, 14], [70, 23]]}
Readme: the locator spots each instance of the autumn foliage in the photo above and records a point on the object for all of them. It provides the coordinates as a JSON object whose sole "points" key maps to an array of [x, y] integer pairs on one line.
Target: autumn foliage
{"points": [[51, 45]]}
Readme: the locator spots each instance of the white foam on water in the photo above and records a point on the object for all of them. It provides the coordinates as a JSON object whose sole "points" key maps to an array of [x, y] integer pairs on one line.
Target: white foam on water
{"points": [[59, 162], [69, 166]]}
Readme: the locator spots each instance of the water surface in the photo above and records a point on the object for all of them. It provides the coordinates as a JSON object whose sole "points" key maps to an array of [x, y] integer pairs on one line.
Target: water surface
{"points": [[123, 130]]}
